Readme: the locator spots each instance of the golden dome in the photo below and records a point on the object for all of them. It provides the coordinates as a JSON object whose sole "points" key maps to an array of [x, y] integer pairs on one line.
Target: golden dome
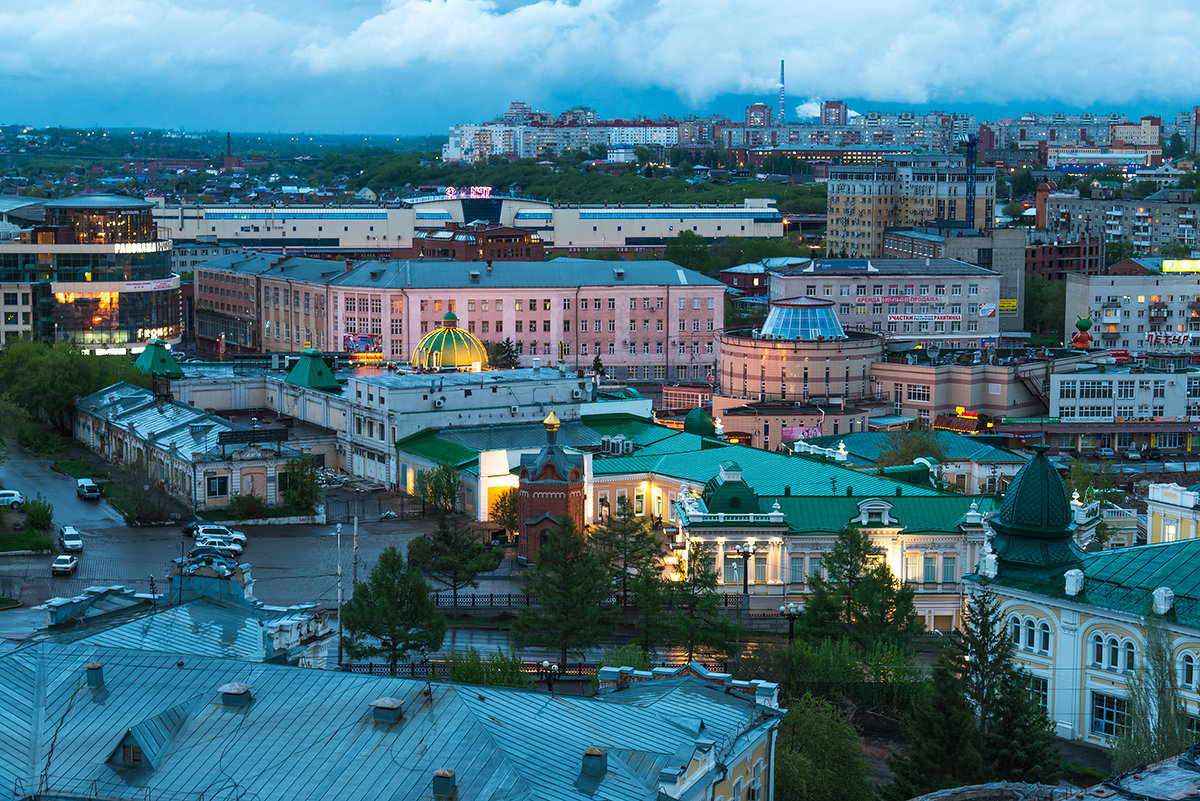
{"points": [[449, 348]]}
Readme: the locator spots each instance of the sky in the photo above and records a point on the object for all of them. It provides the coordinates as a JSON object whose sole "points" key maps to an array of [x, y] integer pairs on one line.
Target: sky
{"points": [[410, 67]]}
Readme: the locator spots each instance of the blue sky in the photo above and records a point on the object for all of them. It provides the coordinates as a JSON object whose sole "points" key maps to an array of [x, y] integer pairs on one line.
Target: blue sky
{"points": [[416, 66]]}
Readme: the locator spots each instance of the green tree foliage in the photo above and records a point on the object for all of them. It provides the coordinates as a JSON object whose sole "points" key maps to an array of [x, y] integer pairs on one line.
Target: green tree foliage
{"points": [[905, 446], [985, 651], [303, 490], [648, 597], [504, 509], [499, 669], [453, 556], [695, 610], [1113, 252], [1157, 719], [690, 250], [13, 419], [943, 748], [1173, 148], [1092, 479], [1020, 744], [1175, 250], [598, 366], [46, 380], [819, 756], [440, 488], [861, 593], [629, 545], [1023, 184], [571, 583], [1013, 209], [391, 613], [1045, 304], [503, 355], [39, 514]]}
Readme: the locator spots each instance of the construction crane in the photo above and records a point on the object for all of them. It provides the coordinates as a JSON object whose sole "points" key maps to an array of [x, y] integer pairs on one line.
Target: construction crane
{"points": [[971, 143]]}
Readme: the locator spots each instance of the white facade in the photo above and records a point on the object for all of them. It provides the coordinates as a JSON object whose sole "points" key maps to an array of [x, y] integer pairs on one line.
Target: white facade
{"points": [[1137, 313]]}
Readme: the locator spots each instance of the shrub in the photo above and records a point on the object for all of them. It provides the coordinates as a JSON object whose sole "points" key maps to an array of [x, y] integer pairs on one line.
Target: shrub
{"points": [[498, 670], [39, 514], [41, 442], [246, 507]]}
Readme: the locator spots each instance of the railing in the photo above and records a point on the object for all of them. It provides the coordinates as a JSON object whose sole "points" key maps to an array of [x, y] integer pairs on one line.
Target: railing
{"points": [[438, 669], [513, 600]]}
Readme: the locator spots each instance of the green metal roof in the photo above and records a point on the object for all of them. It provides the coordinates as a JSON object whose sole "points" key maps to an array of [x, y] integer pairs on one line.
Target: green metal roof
{"points": [[428, 445], [699, 422], [918, 514], [156, 359], [312, 372]]}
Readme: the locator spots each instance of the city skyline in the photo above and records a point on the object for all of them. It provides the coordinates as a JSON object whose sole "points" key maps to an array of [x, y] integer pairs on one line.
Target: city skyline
{"points": [[413, 67]]}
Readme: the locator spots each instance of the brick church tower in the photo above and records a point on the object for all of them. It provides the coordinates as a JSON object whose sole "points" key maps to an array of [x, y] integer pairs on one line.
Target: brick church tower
{"points": [[551, 486]]}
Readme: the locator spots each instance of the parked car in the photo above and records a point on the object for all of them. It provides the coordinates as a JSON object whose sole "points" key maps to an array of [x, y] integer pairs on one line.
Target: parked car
{"points": [[64, 565], [226, 547], [1105, 453], [1133, 455], [205, 531], [87, 489], [70, 540], [11, 499]]}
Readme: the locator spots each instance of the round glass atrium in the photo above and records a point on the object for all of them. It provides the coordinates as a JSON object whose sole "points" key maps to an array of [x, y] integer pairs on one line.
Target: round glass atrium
{"points": [[805, 318]]}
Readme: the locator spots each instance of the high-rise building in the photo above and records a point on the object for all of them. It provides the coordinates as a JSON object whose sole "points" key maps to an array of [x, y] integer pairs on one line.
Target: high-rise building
{"points": [[900, 191], [834, 112]]}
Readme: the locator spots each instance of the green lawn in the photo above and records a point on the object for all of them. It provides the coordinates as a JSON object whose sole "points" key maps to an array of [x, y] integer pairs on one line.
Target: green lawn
{"points": [[26, 541], [80, 468]]}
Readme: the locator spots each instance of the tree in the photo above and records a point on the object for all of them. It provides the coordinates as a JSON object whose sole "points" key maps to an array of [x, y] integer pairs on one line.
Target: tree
{"points": [[504, 509], [598, 366], [905, 446], [440, 488], [819, 756], [689, 249], [1156, 725], [13, 420], [453, 556], [1023, 183], [985, 651], [571, 584], [1090, 479], [503, 355], [500, 669], [1013, 210], [1045, 303], [1175, 250], [1021, 745], [391, 613], [1173, 148], [629, 545], [943, 741], [1117, 251], [303, 489], [648, 597], [696, 619]]}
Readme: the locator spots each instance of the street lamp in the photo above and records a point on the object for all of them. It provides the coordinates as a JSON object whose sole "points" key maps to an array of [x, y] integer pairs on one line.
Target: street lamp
{"points": [[790, 611], [548, 672], [745, 552]]}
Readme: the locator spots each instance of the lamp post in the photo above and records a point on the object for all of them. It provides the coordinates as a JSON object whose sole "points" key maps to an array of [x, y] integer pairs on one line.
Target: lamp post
{"points": [[790, 611], [548, 672], [745, 552]]}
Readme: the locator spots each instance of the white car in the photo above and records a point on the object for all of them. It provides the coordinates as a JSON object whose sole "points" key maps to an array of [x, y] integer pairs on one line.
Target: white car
{"points": [[218, 532], [64, 565], [70, 540], [11, 499], [227, 547]]}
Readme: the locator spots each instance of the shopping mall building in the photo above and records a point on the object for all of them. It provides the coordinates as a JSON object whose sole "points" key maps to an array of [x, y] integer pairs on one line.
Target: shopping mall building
{"points": [[90, 269]]}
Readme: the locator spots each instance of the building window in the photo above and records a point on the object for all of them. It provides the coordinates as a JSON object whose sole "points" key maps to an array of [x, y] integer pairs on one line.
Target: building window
{"points": [[217, 486], [1109, 714], [797, 570], [1039, 690], [930, 569], [131, 755], [949, 569], [1044, 637], [1187, 675]]}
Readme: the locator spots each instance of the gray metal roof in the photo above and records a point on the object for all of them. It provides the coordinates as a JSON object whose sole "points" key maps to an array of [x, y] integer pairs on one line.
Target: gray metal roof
{"points": [[310, 733], [99, 202], [881, 268], [484, 378]]}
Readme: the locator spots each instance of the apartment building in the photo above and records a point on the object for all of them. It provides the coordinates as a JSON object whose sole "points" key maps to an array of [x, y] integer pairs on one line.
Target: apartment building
{"points": [[1029, 129], [900, 191], [1153, 311], [923, 301], [644, 320], [1164, 217]]}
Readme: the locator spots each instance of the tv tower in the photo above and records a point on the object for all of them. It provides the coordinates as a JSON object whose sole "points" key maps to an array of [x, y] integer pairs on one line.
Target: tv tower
{"points": [[782, 113]]}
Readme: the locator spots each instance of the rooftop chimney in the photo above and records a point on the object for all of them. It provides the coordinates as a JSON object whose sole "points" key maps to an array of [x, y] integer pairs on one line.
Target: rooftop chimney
{"points": [[387, 709], [595, 761], [235, 694], [95, 674], [444, 784]]}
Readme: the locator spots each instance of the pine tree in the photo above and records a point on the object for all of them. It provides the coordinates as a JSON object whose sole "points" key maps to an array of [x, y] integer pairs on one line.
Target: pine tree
{"points": [[1020, 744], [571, 584], [391, 613], [648, 597], [696, 619], [986, 653], [630, 547], [943, 741], [453, 556], [819, 755]]}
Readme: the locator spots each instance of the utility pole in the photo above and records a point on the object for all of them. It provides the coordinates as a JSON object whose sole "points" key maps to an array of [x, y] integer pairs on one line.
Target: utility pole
{"points": [[339, 600], [354, 570]]}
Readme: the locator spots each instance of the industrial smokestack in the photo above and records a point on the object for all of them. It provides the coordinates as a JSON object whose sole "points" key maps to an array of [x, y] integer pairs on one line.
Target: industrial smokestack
{"points": [[229, 142], [782, 113]]}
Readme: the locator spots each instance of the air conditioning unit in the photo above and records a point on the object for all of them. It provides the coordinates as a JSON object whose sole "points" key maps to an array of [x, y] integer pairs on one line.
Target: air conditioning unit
{"points": [[514, 409], [439, 403], [577, 394]]}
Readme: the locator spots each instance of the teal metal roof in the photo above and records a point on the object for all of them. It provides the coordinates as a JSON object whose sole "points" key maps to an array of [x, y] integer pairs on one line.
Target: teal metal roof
{"points": [[310, 733], [866, 446], [916, 513]]}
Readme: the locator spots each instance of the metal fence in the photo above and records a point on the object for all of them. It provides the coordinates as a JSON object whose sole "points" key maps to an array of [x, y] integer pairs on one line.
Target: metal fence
{"points": [[438, 669], [344, 508], [511, 600]]}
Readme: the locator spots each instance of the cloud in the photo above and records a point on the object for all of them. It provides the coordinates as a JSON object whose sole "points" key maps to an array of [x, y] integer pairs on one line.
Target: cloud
{"points": [[464, 59]]}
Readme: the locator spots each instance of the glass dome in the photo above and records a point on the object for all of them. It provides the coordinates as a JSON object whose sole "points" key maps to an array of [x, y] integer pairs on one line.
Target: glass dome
{"points": [[805, 318]]}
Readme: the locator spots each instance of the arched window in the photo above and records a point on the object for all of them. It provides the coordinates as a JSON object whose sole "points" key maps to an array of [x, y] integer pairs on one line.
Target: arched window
{"points": [[1189, 670], [1014, 629], [1097, 649], [1044, 631], [1029, 633], [1130, 656], [1114, 653]]}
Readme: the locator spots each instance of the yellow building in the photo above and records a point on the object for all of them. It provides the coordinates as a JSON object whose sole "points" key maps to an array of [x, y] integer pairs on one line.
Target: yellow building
{"points": [[1172, 512]]}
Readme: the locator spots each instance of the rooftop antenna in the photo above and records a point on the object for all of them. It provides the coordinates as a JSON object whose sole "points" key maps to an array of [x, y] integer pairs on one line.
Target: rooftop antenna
{"points": [[782, 113]]}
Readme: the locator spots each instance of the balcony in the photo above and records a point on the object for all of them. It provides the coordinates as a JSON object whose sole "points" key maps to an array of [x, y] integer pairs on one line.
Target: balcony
{"points": [[1157, 319], [1112, 304], [1110, 336], [1195, 304], [1158, 304]]}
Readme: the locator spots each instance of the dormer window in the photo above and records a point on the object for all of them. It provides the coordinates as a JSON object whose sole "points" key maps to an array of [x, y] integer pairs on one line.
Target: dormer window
{"points": [[131, 755], [874, 512]]}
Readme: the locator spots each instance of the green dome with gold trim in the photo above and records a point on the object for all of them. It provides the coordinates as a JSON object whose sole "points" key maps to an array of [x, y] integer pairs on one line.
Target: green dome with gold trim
{"points": [[449, 348]]}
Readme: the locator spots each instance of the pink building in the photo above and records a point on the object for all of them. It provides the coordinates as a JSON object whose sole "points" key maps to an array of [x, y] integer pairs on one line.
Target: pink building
{"points": [[645, 320]]}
